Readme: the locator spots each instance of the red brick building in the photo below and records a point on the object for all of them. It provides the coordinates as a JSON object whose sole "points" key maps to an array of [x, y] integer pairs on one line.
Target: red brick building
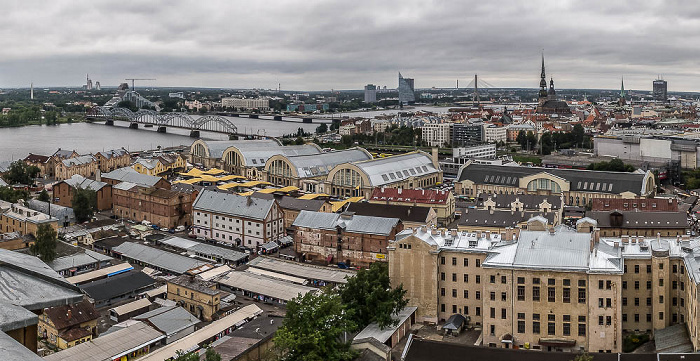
{"points": [[162, 207]]}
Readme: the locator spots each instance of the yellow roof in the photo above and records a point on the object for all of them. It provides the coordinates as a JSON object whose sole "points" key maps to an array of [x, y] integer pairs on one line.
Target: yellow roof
{"points": [[228, 186], [194, 172], [313, 195], [268, 190], [254, 183], [245, 194], [214, 171], [335, 206], [229, 177], [189, 181], [289, 189], [209, 178], [286, 189]]}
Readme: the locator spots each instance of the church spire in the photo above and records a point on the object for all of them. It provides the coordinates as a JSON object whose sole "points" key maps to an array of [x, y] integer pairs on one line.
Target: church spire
{"points": [[622, 88], [543, 81]]}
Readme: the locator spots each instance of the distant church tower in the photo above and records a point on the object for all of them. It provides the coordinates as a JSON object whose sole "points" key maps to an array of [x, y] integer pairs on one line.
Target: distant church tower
{"points": [[543, 85], [622, 100], [547, 102], [31, 91]]}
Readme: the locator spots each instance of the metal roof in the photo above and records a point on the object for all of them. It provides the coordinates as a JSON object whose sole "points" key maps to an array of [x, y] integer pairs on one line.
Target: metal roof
{"points": [[261, 285], [259, 156], [78, 181], [119, 285], [396, 168], [321, 164], [110, 346], [106, 271], [12, 350], [347, 221], [383, 334], [169, 320], [78, 260], [128, 174], [232, 205], [217, 147], [131, 306], [309, 272], [158, 258], [83, 159]]}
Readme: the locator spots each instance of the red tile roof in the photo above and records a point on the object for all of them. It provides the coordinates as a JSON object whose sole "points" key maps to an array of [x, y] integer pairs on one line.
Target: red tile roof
{"points": [[71, 315], [428, 196]]}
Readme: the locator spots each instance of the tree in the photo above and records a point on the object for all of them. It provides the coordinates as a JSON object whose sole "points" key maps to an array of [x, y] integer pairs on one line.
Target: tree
{"points": [[322, 128], [578, 134], [615, 165], [44, 196], [45, 245], [9, 194], [346, 140], [584, 356], [210, 355], [84, 203], [20, 173], [315, 328], [299, 141], [370, 298]]}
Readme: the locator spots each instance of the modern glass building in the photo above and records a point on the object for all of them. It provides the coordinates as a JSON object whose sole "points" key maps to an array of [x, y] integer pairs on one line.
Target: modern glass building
{"points": [[406, 90]]}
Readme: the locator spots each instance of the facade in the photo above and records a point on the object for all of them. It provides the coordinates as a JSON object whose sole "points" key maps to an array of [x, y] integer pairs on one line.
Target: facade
{"points": [[200, 298], [13, 241], [578, 187], [63, 191], [307, 172], [154, 166], [411, 216], [410, 170], [69, 325], [162, 207], [44, 163], [437, 134], [443, 202], [354, 240], [635, 223], [476, 151], [660, 90], [112, 159], [261, 104], [242, 221], [370, 93], [655, 150], [467, 134], [638, 205], [494, 133], [23, 220], [406, 90], [84, 165], [292, 206]]}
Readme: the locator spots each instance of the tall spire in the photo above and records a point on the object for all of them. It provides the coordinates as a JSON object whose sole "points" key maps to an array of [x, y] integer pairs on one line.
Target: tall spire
{"points": [[622, 88], [543, 81], [543, 74]]}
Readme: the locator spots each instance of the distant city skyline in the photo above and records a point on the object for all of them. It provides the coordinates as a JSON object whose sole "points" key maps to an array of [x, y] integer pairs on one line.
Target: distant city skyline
{"points": [[325, 45]]}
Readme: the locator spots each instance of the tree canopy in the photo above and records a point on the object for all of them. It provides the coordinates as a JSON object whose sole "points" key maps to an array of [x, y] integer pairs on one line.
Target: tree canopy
{"points": [[209, 355], [45, 245], [9, 194], [84, 203], [315, 328], [44, 196], [615, 165], [370, 298], [21, 173]]}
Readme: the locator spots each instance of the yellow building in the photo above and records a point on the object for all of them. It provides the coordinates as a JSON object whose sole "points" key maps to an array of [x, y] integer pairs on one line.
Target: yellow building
{"points": [[199, 297], [155, 166], [69, 325], [23, 220]]}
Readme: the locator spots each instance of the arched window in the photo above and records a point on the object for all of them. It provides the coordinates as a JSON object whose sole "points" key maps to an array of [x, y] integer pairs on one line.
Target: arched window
{"points": [[543, 184]]}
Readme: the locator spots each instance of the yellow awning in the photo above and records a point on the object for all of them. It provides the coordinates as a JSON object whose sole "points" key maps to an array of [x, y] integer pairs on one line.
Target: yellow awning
{"points": [[228, 186], [229, 177], [214, 171], [335, 206], [194, 172], [245, 194], [268, 190], [313, 195], [189, 181], [255, 184], [209, 178]]}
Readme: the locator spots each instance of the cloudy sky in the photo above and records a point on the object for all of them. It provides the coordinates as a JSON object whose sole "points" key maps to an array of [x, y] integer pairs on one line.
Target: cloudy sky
{"points": [[328, 44]]}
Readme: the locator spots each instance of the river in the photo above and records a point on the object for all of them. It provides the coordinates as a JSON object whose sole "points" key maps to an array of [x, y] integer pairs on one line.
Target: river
{"points": [[17, 143]]}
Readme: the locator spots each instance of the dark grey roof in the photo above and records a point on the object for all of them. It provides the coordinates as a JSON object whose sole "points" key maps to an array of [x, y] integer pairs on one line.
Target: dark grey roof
{"points": [[158, 258], [287, 202], [233, 205], [12, 350], [631, 219], [78, 260], [404, 213], [169, 320], [454, 322], [580, 180], [350, 223], [118, 285], [504, 218], [78, 181], [196, 284]]}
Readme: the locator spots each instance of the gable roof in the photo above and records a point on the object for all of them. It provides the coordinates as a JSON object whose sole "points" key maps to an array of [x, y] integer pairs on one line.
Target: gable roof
{"points": [[128, 174], [396, 168], [71, 315], [347, 221], [233, 205], [78, 181], [404, 213], [427, 196]]}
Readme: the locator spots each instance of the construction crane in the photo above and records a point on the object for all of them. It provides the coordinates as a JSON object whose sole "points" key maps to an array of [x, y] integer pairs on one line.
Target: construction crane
{"points": [[132, 81]]}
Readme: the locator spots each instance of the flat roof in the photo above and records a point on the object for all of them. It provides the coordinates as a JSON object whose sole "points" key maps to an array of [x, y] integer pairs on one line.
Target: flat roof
{"points": [[264, 285], [191, 342], [107, 271], [279, 276], [131, 306], [109, 288], [382, 335], [153, 256], [301, 270]]}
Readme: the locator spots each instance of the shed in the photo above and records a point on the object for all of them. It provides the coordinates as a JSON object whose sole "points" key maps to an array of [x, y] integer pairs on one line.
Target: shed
{"points": [[454, 324]]}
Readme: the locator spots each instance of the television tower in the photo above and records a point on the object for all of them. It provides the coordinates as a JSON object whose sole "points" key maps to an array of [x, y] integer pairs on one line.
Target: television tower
{"points": [[31, 91]]}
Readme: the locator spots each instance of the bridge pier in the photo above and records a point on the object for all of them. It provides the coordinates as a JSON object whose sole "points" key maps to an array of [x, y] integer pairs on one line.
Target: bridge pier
{"points": [[277, 117], [306, 120], [161, 130], [194, 133], [109, 122], [232, 137], [134, 126], [253, 116]]}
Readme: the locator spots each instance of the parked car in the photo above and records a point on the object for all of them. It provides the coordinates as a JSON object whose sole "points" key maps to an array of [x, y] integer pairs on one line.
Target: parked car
{"points": [[180, 229]]}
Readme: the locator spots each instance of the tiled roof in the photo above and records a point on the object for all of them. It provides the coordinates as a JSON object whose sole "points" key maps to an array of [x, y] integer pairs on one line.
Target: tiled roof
{"points": [[71, 315]]}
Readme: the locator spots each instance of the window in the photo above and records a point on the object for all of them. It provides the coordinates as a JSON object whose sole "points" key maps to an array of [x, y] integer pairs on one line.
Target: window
{"points": [[442, 307], [551, 294], [466, 278], [648, 268], [608, 284], [454, 277], [492, 296], [478, 311], [535, 293], [551, 328], [675, 268], [521, 326], [661, 315], [551, 281], [648, 285], [503, 296], [442, 260], [581, 295], [466, 293], [521, 316], [536, 327], [624, 301], [661, 266], [601, 320], [503, 313], [636, 268], [466, 262], [624, 317], [661, 282], [582, 283], [492, 279], [521, 293], [648, 317], [601, 283], [442, 292], [582, 329], [566, 329], [454, 308], [566, 295], [478, 262], [636, 317], [661, 299], [674, 285], [608, 320], [442, 276], [624, 285], [478, 295], [478, 279], [493, 312], [503, 279], [454, 293], [521, 280], [636, 301], [600, 302], [608, 302], [636, 285], [535, 281]]}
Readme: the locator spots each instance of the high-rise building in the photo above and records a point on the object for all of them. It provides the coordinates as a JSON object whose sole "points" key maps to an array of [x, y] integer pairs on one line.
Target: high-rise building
{"points": [[406, 90], [370, 93], [88, 83], [660, 90]]}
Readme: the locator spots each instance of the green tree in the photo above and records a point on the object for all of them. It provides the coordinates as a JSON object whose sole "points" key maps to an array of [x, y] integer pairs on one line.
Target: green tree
{"points": [[9, 194], [615, 165], [84, 203], [44, 196], [578, 134], [299, 141], [21, 173], [322, 128], [209, 355], [370, 298], [315, 329], [346, 140], [584, 356], [45, 245]]}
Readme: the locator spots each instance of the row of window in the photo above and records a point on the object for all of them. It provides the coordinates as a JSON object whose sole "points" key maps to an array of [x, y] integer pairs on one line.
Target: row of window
{"points": [[674, 268], [465, 261]]}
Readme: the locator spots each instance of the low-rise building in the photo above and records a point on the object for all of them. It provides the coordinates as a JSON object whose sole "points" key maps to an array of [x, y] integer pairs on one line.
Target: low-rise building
{"points": [[292, 206], [411, 216], [110, 160], [63, 191], [84, 165], [354, 240], [243, 221], [632, 223], [162, 207], [443, 202], [23, 220], [262, 104], [69, 325], [13, 241], [128, 174], [200, 298], [157, 165]]}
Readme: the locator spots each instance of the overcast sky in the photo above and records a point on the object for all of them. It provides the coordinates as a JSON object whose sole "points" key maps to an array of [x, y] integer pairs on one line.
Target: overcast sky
{"points": [[327, 44]]}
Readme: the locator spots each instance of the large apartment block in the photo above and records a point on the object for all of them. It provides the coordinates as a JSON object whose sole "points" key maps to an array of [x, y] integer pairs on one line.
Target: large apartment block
{"points": [[552, 290], [242, 221]]}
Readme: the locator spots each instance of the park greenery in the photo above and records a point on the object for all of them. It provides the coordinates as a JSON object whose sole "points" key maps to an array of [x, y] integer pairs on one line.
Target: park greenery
{"points": [[44, 196], [317, 325], [84, 204], [614, 165], [9, 194], [209, 355], [45, 245], [20, 173]]}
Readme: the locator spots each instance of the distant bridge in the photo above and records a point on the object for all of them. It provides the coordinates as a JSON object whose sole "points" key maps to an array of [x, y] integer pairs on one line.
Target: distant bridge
{"points": [[150, 118]]}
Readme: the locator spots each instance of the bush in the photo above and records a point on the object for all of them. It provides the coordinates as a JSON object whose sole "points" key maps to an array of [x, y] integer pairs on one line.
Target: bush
{"points": [[632, 341]]}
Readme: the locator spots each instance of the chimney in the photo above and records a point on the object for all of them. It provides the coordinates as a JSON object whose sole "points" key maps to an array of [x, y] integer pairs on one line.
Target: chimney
{"points": [[616, 244], [453, 232], [434, 158], [595, 238], [658, 236], [551, 231], [488, 234], [509, 234], [69, 314], [490, 210], [625, 239], [685, 237]]}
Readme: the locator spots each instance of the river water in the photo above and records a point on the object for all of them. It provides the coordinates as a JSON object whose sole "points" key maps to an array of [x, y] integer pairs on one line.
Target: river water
{"points": [[17, 143]]}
